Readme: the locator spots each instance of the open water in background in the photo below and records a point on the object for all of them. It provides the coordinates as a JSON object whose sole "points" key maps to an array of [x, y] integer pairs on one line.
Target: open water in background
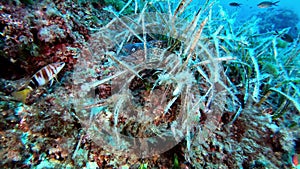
{"points": [[249, 7]]}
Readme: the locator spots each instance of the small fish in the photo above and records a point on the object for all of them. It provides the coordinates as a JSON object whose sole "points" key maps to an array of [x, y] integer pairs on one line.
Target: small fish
{"points": [[235, 4], [133, 47], [267, 4], [286, 37], [40, 78]]}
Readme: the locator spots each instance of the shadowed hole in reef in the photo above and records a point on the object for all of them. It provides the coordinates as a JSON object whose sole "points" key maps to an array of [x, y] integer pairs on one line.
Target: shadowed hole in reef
{"points": [[9, 70], [143, 113], [151, 99], [174, 158], [148, 97]]}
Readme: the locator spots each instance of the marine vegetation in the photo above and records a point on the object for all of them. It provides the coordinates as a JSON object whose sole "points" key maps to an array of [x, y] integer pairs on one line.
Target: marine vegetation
{"points": [[148, 85]]}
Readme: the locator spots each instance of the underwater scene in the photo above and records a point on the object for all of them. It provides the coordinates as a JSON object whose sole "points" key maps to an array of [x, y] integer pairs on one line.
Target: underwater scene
{"points": [[157, 84]]}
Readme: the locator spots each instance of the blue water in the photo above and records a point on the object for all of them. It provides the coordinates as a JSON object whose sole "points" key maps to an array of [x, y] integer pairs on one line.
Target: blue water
{"points": [[274, 18], [249, 7]]}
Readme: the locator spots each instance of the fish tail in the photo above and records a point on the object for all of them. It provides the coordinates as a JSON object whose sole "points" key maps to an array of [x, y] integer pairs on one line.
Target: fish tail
{"points": [[21, 95], [275, 3]]}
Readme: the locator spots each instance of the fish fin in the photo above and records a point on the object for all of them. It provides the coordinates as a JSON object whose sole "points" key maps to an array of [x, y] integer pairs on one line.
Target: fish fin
{"points": [[275, 3], [21, 95], [51, 82], [56, 80]]}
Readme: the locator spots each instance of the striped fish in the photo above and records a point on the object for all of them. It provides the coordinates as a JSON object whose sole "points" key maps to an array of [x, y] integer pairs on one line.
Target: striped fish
{"points": [[45, 75], [40, 78]]}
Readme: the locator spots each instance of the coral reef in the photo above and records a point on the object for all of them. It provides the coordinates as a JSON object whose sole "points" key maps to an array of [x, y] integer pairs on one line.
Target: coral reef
{"points": [[157, 88], [33, 34]]}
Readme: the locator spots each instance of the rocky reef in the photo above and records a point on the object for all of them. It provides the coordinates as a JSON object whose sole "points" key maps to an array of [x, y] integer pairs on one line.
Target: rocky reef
{"points": [[279, 19], [145, 85]]}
